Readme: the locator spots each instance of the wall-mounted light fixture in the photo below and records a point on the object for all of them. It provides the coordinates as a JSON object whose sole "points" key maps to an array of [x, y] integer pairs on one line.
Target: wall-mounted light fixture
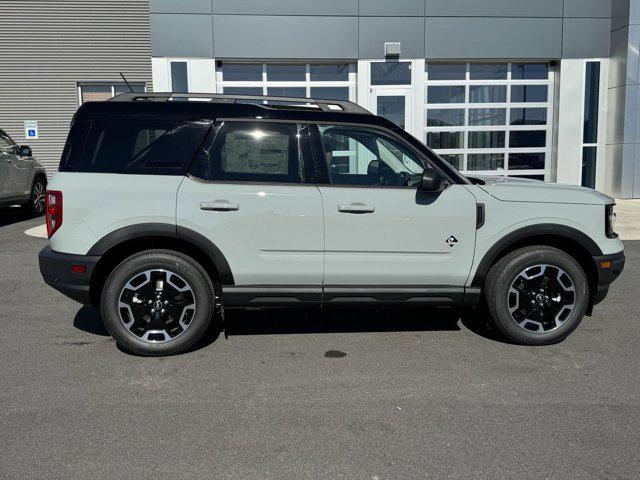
{"points": [[391, 49]]}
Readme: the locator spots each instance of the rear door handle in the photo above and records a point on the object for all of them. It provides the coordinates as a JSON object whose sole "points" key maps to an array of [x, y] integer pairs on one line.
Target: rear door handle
{"points": [[220, 206], [356, 208]]}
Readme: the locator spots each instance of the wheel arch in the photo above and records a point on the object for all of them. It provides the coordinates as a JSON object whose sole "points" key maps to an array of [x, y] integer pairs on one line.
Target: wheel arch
{"points": [[574, 242], [126, 241], [40, 174]]}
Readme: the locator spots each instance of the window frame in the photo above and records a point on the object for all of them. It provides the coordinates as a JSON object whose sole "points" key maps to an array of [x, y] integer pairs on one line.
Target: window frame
{"points": [[464, 151], [264, 83], [305, 157], [112, 85]]}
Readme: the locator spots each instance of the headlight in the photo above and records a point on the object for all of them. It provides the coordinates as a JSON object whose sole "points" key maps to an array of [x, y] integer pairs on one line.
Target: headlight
{"points": [[610, 221]]}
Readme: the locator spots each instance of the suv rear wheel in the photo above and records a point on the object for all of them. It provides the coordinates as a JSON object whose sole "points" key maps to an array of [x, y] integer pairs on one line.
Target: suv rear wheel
{"points": [[536, 295], [158, 302]]}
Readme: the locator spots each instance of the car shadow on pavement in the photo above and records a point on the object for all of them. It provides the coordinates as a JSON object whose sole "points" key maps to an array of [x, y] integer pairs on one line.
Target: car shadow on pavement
{"points": [[11, 215], [338, 320], [88, 320], [309, 321]]}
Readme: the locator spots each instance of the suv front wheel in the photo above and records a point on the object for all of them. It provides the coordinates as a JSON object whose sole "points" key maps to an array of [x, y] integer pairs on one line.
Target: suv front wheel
{"points": [[36, 204], [536, 295], [158, 302]]}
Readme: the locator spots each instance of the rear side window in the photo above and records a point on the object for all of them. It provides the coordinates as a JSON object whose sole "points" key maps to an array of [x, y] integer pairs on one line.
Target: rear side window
{"points": [[262, 152], [152, 147]]}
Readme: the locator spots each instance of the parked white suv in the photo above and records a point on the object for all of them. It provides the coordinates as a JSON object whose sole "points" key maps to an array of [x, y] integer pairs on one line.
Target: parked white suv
{"points": [[164, 212]]}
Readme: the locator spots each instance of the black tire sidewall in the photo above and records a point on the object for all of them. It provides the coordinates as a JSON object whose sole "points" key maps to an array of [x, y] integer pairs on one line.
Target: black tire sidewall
{"points": [[30, 206], [182, 265], [502, 280]]}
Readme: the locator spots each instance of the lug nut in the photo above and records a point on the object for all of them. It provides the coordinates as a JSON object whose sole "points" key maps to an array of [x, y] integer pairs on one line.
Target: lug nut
{"points": [[162, 311], [166, 302], [533, 302], [153, 310], [150, 302]]}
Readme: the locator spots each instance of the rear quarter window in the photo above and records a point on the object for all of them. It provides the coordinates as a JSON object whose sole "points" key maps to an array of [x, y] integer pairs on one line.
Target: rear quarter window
{"points": [[151, 147]]}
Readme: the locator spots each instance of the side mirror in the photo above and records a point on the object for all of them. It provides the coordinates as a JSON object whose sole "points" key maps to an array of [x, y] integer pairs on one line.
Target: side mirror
{"points": [[25, 151], [432, 181]]}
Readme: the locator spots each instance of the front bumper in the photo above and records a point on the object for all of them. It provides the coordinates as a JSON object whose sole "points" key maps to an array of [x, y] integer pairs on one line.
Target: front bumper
{"points": [[609, 268], [55, 268]]}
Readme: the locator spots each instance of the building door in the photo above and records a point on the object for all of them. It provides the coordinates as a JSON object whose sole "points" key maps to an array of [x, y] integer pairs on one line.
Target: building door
{"points": [[393, 104]]}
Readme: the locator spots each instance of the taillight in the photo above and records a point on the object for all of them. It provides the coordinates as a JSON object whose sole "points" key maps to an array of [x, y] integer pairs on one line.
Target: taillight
{"points": [[53, 211]]}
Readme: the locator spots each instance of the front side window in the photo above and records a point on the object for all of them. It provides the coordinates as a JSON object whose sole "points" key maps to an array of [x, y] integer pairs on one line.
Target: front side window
{"points": [[363, 156], [261, 152], [153, 147], [7, 147]]}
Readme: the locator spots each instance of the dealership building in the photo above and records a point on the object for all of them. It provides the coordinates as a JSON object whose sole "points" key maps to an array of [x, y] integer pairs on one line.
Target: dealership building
{"points": [[544, 89]]}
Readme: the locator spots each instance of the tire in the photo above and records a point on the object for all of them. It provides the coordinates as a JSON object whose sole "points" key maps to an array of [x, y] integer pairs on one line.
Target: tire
{"points": [[187, 302], [36, 204], [526, 308]]}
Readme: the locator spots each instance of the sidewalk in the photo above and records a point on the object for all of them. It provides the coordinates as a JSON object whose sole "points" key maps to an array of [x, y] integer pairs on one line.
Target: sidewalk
{"points": [[628, 219]]}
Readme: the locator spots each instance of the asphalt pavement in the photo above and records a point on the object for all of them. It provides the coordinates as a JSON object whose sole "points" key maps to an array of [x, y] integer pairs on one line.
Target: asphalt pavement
{"points": [[351, 394]]}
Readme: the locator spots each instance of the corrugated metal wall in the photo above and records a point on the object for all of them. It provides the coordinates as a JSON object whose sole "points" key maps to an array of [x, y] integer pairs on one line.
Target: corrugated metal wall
{"points": [[48, 46]]}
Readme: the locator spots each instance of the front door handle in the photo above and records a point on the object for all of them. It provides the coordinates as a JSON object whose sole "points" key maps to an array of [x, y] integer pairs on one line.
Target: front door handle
{"points": [[220, 206], [356, 208]]}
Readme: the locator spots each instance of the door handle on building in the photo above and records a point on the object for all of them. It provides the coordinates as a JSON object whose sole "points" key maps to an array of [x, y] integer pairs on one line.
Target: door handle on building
{"points": [[220, 206], [356, 208]]}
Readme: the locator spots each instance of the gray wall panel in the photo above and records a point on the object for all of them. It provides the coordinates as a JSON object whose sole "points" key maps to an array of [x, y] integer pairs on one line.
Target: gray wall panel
{"points": [[493, 38], [618, 55], [585, 37], [245, 36], [587, 8], [634, 12], [286, 7], [49, 47], [633, 57], [494, 8], [619, 13], [616, 118], [181, 35], [398, 8], [183, 6], [374, 31]]}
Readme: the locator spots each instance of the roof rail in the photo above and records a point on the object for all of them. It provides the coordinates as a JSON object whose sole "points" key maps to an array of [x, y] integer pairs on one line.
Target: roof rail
{"points": [[267, 101]]}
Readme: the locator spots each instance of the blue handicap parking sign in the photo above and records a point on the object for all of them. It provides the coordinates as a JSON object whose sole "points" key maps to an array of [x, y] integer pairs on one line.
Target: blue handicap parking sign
{"points": [[31, 132]]}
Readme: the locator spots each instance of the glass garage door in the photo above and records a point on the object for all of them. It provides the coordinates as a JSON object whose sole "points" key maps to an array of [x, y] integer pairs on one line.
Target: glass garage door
{"points": [[491, 118], [334, 81]]}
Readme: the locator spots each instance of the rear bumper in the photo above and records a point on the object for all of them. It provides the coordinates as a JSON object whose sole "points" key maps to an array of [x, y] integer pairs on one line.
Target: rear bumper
{"points": [[55, 268], [609, 268]]}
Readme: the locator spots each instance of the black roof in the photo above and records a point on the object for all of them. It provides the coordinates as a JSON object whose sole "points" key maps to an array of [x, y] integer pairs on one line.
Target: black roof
{"points": [[190, 105]]}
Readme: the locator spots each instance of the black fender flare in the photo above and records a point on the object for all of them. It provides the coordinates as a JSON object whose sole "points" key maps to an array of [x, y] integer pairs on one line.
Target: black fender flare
{"points": [[171, 231], [543, 229]]}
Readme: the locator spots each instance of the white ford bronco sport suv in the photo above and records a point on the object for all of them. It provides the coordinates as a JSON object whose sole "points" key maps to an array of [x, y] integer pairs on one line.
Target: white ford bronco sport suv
{"points": [[165, 212]]}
